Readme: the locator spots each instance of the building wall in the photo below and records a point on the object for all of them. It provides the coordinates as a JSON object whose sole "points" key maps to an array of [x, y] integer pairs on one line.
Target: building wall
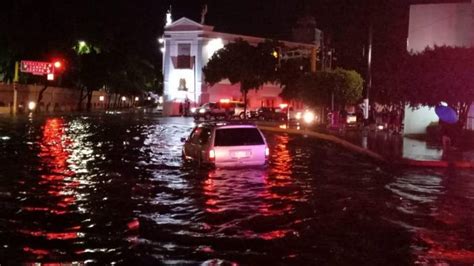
{"points": [[440, 24], [265, 96], [436, 25], [416, 120], [470, 118], [193, 77], [204, 42], [54, 98]]}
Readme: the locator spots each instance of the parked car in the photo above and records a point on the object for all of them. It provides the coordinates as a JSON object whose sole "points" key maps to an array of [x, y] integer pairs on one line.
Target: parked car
{"points": [[271, 114], [213, 110], [226, 144], [239, 108]]}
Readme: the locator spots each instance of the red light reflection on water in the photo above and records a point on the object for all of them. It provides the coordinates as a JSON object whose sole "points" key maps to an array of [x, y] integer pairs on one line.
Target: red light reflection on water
{"points": [[447, 236], [54, 154], [250, 193], [281, 157]]}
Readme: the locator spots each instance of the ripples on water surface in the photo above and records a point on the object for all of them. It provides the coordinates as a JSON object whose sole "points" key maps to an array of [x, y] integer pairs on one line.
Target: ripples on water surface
{"points": [[111, 188]]}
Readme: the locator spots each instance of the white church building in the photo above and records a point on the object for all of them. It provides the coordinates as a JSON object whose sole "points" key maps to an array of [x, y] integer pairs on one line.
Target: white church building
{"points": [[187, 47]]}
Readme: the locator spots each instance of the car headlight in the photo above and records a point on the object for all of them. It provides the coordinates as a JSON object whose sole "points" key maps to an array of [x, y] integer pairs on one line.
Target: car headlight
{"points": [[193, 110], [309, 117], [298, 115], [202, 111]]}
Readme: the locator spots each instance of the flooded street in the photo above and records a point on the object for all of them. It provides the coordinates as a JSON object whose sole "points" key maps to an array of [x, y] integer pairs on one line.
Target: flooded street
{"points": [[112, 189]]}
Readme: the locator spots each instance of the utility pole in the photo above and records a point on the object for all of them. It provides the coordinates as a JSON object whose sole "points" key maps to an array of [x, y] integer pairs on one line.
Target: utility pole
{"points": [[15, 92], [369, 75]]}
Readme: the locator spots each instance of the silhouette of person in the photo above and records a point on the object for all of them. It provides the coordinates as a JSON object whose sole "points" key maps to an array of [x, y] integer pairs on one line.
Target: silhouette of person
{"points": [[180, 108]]}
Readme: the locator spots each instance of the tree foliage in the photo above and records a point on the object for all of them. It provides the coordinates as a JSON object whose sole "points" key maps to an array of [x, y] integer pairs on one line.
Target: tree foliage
{"points": [[120, 54], [317, 89], [439, 74], [288, 75], [241, 62]]}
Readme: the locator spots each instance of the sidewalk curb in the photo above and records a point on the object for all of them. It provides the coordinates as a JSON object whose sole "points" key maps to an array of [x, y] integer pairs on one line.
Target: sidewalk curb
{"points": [[327, 137], [374, 155], [439, 164]]}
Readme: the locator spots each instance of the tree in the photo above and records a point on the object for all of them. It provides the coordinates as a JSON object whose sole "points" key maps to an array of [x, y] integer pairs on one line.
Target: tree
{"points": [[317, 89], [442, 74], [240, 62], [439, 74], [288, 75], [388, 82]]}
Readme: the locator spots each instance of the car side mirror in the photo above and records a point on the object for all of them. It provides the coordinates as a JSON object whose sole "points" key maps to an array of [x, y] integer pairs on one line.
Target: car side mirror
{"points": [[183, 140]]}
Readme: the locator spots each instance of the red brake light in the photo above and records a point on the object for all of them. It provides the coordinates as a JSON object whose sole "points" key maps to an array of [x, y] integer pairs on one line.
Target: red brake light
{"points": [[267, 152], [212, 155]]}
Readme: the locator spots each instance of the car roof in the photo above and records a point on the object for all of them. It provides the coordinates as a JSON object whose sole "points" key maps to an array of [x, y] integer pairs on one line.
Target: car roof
{"points": [[227, 124]]}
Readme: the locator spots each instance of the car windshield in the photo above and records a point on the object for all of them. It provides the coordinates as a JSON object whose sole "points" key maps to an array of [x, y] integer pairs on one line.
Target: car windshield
{"points": [[238, 137]]}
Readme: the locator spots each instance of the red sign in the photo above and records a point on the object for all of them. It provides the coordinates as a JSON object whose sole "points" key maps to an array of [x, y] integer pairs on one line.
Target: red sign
{"points": [[36, 68]]}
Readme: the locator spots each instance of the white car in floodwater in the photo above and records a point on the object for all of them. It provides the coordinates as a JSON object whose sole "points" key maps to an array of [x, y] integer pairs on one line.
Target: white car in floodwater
{"points": [[226, 144]]}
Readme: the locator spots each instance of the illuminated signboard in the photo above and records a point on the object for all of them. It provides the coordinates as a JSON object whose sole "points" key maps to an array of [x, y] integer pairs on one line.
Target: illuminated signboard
{"points": [[37, 68]]}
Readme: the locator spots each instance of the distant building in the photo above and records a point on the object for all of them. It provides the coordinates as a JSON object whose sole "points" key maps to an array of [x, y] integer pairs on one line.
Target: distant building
{"points": [[55, 99], [187, 47], [440, 24], [437, 25]]}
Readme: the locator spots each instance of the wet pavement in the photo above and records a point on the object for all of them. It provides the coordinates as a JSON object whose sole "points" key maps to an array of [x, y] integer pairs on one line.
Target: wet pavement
{"points": [[111, 188], [396, 146]]}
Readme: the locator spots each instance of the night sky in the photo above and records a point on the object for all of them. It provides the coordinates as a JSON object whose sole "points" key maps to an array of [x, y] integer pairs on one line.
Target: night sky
{"points": [[346, 22], [140, 22]]}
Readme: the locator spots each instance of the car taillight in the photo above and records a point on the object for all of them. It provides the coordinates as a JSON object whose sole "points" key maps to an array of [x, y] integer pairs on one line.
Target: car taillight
{"points": [[267, 152], [212, 155]]}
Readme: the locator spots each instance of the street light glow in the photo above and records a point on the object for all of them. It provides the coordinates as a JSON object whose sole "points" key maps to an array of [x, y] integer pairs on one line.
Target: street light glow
{"points": [[136, 99], [213, 46], [31, 106], [124, 98], [101, 98], [308, 117]]}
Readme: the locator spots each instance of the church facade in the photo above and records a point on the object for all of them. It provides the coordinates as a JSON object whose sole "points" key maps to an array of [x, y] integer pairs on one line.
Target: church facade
{"points": [[187, 46]]}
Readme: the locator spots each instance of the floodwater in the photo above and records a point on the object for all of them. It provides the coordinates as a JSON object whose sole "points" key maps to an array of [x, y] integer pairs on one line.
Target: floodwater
{"points": [[111, 188]]}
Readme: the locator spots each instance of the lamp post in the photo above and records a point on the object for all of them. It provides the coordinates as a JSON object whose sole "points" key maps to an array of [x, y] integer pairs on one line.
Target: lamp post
{"points": [[15, 92]]}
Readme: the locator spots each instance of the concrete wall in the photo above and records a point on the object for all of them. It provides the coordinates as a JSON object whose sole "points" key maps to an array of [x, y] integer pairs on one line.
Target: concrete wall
{"points": [[54, 98], [416, 121], [440, 24], [470, 118]]}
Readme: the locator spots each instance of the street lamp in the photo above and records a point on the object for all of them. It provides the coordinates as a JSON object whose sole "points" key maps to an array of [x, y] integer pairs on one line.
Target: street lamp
{"points": [[31, 106], [308, 118]]}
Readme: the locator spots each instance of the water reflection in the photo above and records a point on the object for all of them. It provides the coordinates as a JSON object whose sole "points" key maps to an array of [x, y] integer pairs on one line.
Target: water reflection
{"points": [[51, 198], [112, 188], [431, 206]]}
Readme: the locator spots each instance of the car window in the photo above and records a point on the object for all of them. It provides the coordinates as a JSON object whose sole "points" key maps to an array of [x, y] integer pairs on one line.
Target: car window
{"points": [[194, 138], [238, 137], [205, 136]]}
